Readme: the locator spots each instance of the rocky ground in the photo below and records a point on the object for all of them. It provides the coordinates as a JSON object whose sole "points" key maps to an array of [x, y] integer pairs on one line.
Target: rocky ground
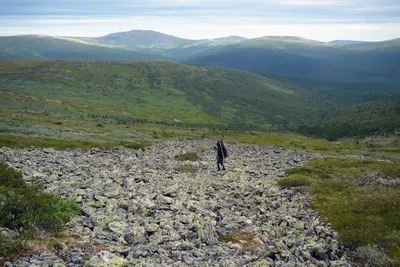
{"points": [[145, 208]]}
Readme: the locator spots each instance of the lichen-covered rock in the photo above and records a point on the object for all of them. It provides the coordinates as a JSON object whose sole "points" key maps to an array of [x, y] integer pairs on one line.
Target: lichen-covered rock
{"points": [[144, 212], [106, 259]]}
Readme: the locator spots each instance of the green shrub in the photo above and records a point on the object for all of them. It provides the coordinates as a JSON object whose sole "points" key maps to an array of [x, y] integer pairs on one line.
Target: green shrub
{"points": [[295, 180], [372, 255], [186, 168], [191, 156], [27, 210], [10, 178]]}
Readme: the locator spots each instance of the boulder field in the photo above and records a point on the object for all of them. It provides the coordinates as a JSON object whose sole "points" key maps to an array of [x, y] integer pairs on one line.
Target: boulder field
{"points": [[146, 208]]}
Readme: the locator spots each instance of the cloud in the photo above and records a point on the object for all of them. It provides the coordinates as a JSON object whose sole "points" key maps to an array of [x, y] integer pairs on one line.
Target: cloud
{"points": [[196, 19]]}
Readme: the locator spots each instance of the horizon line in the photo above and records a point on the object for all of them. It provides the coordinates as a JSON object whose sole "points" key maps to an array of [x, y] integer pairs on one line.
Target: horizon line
{"points": [[64, 36]]}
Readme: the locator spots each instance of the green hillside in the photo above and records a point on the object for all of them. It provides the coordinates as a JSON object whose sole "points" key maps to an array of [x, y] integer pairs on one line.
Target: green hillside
{"points": [[40, 93], [287, 56], [298, 57], [37, 46], [147, 91]]}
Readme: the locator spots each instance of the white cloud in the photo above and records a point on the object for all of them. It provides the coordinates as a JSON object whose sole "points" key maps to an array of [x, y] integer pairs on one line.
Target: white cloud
{"points": [[193, 28], [198, 19]]}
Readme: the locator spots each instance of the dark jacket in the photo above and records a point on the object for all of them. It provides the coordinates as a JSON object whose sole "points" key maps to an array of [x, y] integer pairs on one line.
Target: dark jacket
{"points": [[222, 152]]}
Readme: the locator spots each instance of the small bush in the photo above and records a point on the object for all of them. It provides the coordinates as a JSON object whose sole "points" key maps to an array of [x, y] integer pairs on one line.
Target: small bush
{"points": [[295, 180], [373, 256], [191, 156], [10, 178], [186, 168], [27, 210]]}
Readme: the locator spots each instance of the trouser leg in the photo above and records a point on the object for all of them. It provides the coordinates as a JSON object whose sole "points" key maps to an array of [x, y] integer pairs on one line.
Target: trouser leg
{"points": [[220, 161]]}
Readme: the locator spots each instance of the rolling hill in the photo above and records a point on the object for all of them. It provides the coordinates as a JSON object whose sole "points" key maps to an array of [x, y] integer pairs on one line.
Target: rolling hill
{"points": [[136, 44], [39, 46], [298, 57], [347, 42], [164, 92], [287, 56]]}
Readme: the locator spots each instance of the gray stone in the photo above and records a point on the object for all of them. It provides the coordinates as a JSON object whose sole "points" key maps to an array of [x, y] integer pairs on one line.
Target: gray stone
{"points": [[136, 205], [118, 227], [106, 259]]}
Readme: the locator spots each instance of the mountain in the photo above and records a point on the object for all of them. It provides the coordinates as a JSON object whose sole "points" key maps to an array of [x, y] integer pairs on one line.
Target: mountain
{"points": [[299, 57], [164, 92], [41, 46], [287, 56], [347, 42], [230, 38], [143, 39], [135, 44]]}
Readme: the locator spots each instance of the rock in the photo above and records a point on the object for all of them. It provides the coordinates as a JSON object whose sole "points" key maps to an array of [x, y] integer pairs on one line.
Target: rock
{"points": [[142, 212], [164, 200], [151, 228], [117, 227], [248, 222], [106, 259], [78, 199], [7, 234]]}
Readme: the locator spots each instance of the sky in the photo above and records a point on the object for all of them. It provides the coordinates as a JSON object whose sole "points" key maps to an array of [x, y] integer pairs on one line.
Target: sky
{"points": [[323, 20]]}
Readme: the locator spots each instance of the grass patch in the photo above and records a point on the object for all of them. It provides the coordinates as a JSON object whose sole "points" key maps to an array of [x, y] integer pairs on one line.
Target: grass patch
{"points": [[28, 212], [295, 180], [17, 141], [364, 212], [186, 168], [191, 156], [246, 240], [346, 169]]}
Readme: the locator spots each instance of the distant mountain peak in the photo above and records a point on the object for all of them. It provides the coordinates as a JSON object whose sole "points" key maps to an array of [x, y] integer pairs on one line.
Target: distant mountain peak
{"points": [[230, 38], [346, 42], [140, 34], [284, 38]]}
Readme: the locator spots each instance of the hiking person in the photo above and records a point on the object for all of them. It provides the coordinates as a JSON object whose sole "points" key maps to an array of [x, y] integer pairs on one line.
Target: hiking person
{"points": [[222, 153]]}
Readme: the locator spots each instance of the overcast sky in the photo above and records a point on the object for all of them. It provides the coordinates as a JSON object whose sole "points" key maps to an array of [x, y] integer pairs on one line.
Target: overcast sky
{"points": [[324, 20]]}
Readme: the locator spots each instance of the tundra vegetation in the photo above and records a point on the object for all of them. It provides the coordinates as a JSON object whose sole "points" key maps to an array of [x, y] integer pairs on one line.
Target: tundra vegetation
{"points": [[26, 213], [361, 198]]}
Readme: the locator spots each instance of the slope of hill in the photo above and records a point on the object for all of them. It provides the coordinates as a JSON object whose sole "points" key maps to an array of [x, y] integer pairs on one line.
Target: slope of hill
{"points": [[175, 94], [38, 46], [136, 44], [156, 91], [297, 57], [145, 39], [375, 62], [166, 45], [347, 42]]}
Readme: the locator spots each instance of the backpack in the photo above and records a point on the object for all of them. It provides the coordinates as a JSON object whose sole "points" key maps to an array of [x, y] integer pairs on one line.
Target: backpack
{"points": [[224, 150]]}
